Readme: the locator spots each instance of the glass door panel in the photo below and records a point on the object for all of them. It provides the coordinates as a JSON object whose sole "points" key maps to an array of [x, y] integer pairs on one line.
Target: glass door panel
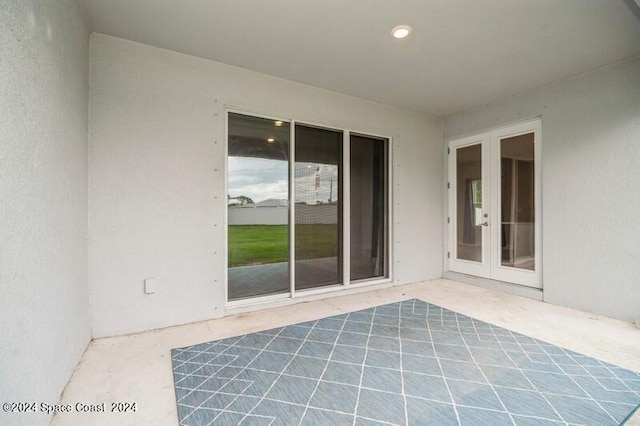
{"points": [[517, 190], [469, 207], [318, 207], [368, 208], [258, 206]]}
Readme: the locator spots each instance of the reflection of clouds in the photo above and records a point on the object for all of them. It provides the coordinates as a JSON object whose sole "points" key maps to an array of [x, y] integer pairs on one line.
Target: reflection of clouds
{"points": [[261, 179], [262, 191], [258, 178]]}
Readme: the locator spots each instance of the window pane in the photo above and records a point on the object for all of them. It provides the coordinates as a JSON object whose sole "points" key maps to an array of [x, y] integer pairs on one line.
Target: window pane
{"points": [[469, 203], [517, 199], [369, 201], [318, 212], [258, 206]]}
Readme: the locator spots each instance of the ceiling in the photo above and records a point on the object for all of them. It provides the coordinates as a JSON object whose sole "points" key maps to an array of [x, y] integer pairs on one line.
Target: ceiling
{"points": [[461, 53]]}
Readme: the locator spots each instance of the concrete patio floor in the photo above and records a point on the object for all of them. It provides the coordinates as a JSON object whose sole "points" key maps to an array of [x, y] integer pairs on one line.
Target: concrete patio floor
{"points": [[137, 368]]}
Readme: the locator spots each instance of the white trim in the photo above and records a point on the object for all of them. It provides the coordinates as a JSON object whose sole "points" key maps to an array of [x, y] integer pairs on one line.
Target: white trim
{"points": [[328, 288], [370, 281], [292, 210], [262, 303], [258, 300], [253, 113], [390, 206], [346, 209], [225, 223], [446, 211], [522, 120]]}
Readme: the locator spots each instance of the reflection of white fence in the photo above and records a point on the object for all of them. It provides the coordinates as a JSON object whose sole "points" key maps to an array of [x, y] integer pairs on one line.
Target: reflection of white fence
{"points": [[305, 214], [259, 215]]}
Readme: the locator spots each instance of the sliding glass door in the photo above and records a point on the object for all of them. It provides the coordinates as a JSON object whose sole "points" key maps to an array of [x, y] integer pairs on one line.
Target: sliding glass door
{"points": [[292, 226], [257, 206], [369, 204], [318, 207]]}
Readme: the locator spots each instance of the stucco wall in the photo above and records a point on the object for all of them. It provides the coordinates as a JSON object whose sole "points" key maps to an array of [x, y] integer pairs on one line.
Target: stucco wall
{"points": [[157, 177], [590, 184], [44, 317]]}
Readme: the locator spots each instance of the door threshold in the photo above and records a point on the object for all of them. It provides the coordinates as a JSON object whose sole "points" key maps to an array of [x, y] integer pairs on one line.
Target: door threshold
{"points": [[515, 289], [261, 304]]}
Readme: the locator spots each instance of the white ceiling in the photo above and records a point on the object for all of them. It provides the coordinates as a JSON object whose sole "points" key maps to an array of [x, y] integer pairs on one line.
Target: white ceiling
{"points": [[461, 53]]}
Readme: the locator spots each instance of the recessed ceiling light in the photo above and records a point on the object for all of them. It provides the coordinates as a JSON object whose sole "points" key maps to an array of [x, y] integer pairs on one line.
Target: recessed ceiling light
{"points": [[401, 31], [278, 123], [271, 140]]}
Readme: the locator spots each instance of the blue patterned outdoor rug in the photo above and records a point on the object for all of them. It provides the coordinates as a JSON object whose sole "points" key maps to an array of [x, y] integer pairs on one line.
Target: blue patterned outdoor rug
{"points": [[406, 363]]}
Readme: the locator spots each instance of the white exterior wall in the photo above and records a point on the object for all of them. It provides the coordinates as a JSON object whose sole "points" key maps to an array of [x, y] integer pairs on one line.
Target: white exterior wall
{"points": [[590, 184], [44, 318], [157, 178]]}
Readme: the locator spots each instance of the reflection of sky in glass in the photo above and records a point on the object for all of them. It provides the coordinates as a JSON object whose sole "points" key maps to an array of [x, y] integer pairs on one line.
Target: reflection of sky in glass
{"points": [[258, 178], [261, 179]]}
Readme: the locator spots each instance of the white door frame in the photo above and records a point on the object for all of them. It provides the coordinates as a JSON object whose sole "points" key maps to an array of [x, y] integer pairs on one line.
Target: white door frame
{"points": [[490, 266], [461, 265], [347, 283]]}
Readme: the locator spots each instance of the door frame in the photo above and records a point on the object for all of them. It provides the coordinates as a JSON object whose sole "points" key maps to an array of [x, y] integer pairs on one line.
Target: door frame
{"points": [[490, 266], [460, 265], [347, 283]]}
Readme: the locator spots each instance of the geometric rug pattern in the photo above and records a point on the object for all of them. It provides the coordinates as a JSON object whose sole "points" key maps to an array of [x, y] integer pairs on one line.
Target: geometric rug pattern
{"points": [[405, 363]]}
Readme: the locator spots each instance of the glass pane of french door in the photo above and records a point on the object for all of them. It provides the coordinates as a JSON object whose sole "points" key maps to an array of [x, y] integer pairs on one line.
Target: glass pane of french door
{"points": [[368, 207], [517, 196], [469, 203], [258, 206], [318, 207]]}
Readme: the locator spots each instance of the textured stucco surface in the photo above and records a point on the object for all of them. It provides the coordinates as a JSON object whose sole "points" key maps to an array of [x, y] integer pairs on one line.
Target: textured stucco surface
{"points": [[157, 176], [590, 184], [44, 317]]}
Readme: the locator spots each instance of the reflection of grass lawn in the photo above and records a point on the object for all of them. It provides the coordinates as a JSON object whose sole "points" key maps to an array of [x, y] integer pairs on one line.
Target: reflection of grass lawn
{"points": [[259, 244]]}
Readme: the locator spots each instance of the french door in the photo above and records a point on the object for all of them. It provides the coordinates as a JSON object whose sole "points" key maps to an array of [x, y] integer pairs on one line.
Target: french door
{"points": [[494, 205]]}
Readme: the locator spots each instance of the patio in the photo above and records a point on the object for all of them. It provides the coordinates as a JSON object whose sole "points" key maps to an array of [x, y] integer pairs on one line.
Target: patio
{"points": [[137, 368]]}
